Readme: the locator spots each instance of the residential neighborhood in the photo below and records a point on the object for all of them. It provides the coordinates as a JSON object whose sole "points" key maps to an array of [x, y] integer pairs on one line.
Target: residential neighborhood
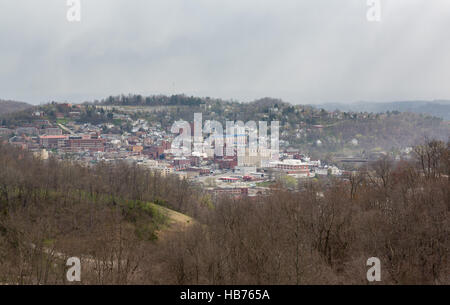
{"points": [[149, 145]]}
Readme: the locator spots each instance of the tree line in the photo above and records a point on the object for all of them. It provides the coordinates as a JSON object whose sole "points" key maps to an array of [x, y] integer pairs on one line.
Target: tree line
{"points": [[322, 234], [398, 212]]}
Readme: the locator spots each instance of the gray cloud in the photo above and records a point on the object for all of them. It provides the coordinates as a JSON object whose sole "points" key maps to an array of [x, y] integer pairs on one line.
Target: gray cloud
{"points": [[304, 51]]}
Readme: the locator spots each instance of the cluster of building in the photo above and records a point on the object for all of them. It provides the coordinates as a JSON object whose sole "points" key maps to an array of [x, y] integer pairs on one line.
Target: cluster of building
{"points": [[246, 174]]}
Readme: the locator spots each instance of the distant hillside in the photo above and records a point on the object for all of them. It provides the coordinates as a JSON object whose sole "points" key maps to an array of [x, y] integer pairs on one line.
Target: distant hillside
{"points": [[308, 128], [155, 100], [12, 106], [438, 108], [364, 127]]}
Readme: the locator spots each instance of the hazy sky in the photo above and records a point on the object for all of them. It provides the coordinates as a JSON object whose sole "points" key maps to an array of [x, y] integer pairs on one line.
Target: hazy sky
{"points": [[303, 51]]}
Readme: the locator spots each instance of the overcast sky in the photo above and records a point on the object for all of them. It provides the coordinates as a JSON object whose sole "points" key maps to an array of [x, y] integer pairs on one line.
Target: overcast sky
{"points": [[303, 51]]}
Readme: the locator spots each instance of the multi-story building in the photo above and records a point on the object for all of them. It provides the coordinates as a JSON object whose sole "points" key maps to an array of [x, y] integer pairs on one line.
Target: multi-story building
{"points": [[32, 131], [83, 143], [181, 162], [54, 141], [72, 143], [292, 166]]}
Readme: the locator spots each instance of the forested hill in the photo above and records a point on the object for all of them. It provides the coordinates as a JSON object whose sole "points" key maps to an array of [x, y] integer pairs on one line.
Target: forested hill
{"points": [[304, 127], [438, 108], [155, 100], [12, 106]]}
